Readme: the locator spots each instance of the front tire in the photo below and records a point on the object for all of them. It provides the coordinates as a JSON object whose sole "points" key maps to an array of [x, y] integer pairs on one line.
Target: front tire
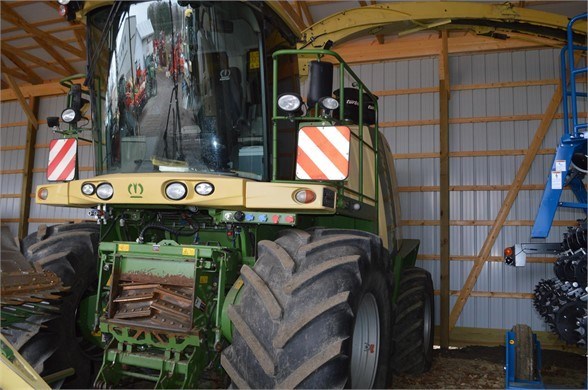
{"points": [[414, 326], [314, 313], [70, 251]]}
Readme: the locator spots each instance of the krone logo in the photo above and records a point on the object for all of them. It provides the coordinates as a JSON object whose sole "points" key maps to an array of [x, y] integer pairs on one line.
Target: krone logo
{"points": [[135, 190], [225, 74]]}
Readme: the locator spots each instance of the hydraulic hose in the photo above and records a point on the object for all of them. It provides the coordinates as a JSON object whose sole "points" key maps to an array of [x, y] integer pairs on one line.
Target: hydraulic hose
{"points": [[157, 226]]}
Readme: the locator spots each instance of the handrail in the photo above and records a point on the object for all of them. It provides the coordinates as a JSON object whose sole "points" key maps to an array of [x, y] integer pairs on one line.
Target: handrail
{"points": [[344, 68], [574, 72]]}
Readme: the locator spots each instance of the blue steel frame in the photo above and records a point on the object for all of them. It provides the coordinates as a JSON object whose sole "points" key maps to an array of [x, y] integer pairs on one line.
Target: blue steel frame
{"points": [[511, 382], [572, 141]]}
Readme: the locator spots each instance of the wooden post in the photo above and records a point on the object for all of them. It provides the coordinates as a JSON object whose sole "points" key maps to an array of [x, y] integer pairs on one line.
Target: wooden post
{"points": [[506, 206], [29, 163], [444, 189], [21, 99]]}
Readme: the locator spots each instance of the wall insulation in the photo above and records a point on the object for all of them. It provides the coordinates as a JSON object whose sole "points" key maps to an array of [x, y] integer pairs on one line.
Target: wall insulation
{"points": [[488, 115], [13, 139]]}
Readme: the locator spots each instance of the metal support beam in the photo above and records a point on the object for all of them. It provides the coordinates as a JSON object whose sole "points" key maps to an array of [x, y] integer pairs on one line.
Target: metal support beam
{"points": [[29, 164], [21, 99], [306, 12], [506, 206], [39, 90], [9, 49], [296, 18], [444, 187], [46, 41], [402, 15], [13, 56]]}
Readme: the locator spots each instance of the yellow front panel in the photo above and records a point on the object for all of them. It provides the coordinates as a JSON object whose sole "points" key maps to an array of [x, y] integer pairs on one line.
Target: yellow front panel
{"points": [[279, 196], [149, 189]]}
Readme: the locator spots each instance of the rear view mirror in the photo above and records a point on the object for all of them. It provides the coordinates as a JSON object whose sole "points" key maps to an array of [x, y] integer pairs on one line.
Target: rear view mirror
{"points": [[63, 154], [53, 122], [323, 153]]}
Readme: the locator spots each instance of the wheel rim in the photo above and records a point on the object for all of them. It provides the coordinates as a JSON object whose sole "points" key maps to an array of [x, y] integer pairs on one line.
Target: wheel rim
{"points": [[428, 321], [366, 344]]}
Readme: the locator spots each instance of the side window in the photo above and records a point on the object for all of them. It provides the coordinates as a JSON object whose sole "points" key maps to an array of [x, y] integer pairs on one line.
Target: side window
{"points": [[288, 81]]}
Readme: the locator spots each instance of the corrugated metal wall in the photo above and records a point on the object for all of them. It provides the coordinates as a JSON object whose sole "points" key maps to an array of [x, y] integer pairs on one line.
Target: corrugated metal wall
{"points": [[412, 129], [418, 138], [13, 161], [12, 135]]}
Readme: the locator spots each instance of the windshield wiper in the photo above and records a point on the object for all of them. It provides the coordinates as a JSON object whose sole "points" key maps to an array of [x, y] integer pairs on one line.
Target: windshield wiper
{"points": [[106, 32], [178, 153]]}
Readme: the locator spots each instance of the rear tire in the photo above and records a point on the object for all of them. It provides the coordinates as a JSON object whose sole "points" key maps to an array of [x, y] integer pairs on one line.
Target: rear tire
{"points": [[314, 313], [70, 251], [414, 326]]}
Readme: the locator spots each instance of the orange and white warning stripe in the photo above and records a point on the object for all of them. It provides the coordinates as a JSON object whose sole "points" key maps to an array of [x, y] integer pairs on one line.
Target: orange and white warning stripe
{"points": [[62, 159], [323, 153]]}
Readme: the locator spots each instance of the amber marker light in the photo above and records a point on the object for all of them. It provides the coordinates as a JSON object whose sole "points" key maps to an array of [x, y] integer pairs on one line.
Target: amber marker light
{"points": [[43, 193], [304, 196], [508, 252]]}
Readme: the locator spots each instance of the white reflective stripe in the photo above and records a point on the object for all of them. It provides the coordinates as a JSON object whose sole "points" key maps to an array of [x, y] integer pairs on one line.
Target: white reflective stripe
{"points": [[329, 169], [60, 168], [56, 148], [337, 139], [301, 173]]}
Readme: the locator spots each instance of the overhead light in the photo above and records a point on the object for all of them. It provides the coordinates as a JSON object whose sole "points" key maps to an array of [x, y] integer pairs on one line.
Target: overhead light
{"points": [[329, 103], [63, 2], [69, 115], [289, 102]]}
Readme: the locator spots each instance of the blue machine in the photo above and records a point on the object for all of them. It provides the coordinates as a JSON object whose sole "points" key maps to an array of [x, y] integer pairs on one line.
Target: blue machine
{"points": [[511, 351], [569, 164]]}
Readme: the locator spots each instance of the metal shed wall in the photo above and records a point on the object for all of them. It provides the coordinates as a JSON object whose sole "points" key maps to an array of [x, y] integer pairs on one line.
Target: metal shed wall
{"points": [[410, 123], [14, 137]]}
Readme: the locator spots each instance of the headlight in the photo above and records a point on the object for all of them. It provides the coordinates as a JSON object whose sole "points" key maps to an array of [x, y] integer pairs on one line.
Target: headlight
{"points": [[176, 191], [105, 191], [69, 115], [204, 188], [88, 189], [328, 103], [289, 102]]}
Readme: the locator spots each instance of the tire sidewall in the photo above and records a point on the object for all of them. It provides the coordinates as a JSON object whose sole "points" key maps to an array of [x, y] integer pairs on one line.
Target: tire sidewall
{"points": [[428, 297]]}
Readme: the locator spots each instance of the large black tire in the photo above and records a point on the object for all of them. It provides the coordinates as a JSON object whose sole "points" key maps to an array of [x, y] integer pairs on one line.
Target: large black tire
{"points": [[303, 309], [414, 326], [70, 251]]}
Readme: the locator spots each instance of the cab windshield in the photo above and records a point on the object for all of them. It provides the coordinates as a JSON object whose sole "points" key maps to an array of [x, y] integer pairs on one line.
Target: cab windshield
{"points": [[182, 87]]}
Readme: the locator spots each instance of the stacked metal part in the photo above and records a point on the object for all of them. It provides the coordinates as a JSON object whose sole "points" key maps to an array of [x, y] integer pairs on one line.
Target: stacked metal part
{"points": [[28, 299], [562, 301]]}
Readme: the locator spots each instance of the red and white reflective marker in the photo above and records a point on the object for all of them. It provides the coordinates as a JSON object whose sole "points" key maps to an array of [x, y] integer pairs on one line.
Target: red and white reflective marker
{"points": [[62, 159], [323, 153]]}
